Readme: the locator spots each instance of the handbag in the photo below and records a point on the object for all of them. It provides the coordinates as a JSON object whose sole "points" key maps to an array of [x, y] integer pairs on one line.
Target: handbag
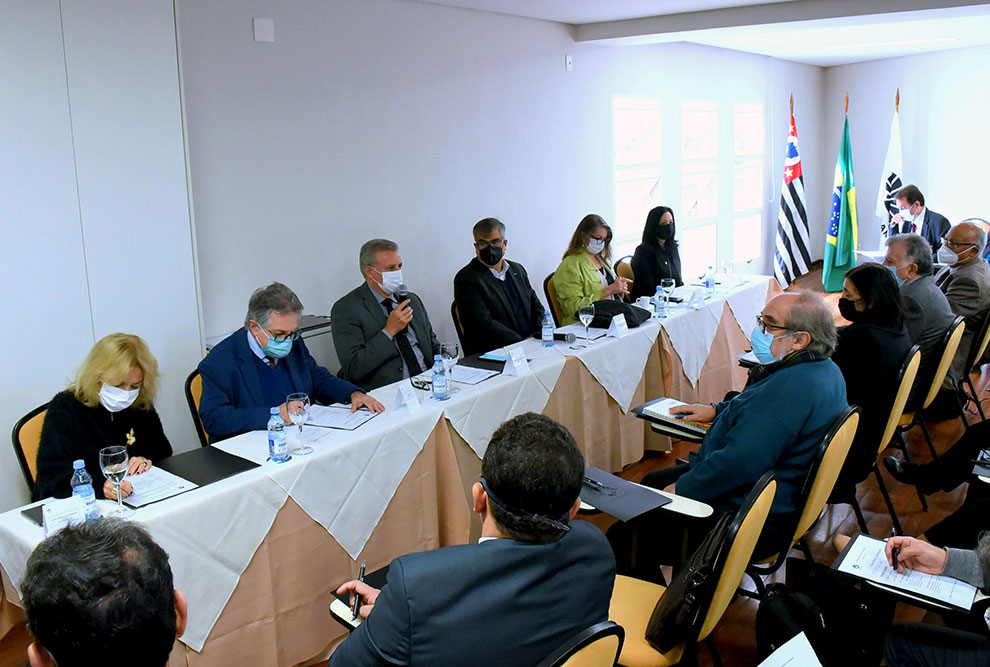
{"points": [[606, 309], [674, 616]]}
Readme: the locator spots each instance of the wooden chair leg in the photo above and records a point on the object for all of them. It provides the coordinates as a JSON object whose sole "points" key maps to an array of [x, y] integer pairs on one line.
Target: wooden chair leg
{"points": [[928, 436], [859, 516], [886, 499]]}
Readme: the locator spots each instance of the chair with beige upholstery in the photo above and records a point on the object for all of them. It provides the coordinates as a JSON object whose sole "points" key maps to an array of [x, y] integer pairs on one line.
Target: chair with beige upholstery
{"points": [[597, 646], [26, 436], [633, 600], [194, 392], [623, 269], [551, 293], [980, 342]]}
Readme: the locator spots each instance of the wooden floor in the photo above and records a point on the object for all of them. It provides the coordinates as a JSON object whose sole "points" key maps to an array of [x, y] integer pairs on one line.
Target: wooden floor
{"points": [[734, 636]]}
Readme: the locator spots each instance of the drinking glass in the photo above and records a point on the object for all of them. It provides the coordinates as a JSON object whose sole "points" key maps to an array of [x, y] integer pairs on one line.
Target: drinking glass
{"points": [[667, 285], [113, 463], [449, 353], [586, 315], [297, 405]]}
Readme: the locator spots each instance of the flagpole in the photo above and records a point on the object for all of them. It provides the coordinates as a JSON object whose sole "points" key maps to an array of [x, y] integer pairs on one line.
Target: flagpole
{"points": [[897, 101], [847, 103], [792, 105]]}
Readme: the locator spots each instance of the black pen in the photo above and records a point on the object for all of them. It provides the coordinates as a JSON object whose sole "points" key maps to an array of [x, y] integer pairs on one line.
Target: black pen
{"points": [[893, 552], [357, 596]]}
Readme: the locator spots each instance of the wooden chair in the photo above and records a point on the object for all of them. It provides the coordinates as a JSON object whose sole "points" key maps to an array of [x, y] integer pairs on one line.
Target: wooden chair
{"points": [[458, 327], [26, 437], [623, 269], [818, 485], [551, 293], [597, 646], [194, 392], [916, 418], [633, 600], [979, 346]]}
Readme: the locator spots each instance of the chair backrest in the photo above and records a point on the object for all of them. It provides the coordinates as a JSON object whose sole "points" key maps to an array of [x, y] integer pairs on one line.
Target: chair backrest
{"points": [[980, 341], [458, 327], [597, 646], [551, 293], [740, 541], [26, 436], [905, 380], [949, 346], [194, 392], [623, 268]]}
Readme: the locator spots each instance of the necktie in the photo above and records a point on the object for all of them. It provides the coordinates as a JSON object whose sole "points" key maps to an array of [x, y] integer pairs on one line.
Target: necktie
{"points": [[271, 362], [405, 347]]}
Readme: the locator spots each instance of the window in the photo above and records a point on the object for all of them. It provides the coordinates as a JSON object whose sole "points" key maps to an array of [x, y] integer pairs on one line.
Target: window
{"points": [[747, 182], [638, 186]]}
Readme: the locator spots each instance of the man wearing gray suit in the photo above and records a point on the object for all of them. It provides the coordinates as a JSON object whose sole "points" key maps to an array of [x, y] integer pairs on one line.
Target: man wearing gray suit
{"points": [[965, 281], [381, 331], [927, 312]]}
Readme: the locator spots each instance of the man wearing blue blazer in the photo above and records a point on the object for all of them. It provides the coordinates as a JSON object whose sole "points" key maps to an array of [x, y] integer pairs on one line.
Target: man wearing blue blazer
{"points": [[535, 579], [257, 366]]}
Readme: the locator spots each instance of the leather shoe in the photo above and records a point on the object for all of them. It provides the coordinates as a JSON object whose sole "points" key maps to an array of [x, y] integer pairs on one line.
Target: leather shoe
{"points": [[902, 471]]}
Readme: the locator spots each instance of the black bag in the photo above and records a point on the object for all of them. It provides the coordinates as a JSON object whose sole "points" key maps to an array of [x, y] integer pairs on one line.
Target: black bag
{"points": [[782, 615], [606, 309], [675, 613]]}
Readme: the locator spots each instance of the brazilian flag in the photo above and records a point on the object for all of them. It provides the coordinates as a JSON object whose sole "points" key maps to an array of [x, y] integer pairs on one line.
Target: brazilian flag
{"points": [[840, 243]]}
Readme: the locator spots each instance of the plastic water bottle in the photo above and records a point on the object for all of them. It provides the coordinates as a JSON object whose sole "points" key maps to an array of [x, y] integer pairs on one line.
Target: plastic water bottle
{"points": [[710, 282], [547, 333], [658, 303], [82, 486], [439, 379], [278, 441]]}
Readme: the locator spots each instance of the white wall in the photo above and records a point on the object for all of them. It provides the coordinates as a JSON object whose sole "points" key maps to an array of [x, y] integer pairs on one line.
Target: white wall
{"points": [[944, 130], [94, 204], [413, 121]]}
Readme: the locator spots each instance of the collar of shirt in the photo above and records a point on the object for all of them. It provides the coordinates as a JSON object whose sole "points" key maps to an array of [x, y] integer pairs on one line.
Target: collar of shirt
{"points": [[253, 344], [378, 297], [500, 274], [486, 539]]}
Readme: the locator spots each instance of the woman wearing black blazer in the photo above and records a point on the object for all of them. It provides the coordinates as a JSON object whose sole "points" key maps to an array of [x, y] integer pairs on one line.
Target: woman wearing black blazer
{"points": [[656, 257], [870, 353]]}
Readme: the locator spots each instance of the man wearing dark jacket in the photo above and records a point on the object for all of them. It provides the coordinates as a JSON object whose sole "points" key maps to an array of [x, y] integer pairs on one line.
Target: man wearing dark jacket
{"points": [[495, 303]]}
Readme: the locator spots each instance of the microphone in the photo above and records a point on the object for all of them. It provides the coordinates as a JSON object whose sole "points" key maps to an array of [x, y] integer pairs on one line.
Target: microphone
{"points": [[565, 337], [401, 293]]}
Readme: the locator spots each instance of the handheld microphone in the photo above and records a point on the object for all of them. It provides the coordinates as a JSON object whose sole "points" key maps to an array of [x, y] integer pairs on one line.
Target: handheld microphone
{"points": [[568, 337], [401, 293]]}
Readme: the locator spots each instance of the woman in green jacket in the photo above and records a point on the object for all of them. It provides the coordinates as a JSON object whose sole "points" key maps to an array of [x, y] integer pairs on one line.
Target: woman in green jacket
{"points": [[584, 276]]}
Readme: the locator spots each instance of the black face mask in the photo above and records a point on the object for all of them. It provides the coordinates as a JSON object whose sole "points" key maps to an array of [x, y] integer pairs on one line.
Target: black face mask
{"points": [[491, 255], [666, 232], [847, 308]]}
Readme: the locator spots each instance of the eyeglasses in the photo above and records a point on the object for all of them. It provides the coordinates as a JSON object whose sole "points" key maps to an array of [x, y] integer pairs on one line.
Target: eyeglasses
{"points": [[764, 325], [279, 338], [495, 243], [952, 244]]}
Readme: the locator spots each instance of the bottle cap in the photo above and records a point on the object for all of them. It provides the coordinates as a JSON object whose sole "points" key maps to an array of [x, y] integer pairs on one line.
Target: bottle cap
{"points": [[274, 411], [78, 464], [436, 357]]}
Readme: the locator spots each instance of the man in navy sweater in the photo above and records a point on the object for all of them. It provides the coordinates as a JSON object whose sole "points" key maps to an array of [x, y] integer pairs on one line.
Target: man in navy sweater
{"points": [[256, 367]]}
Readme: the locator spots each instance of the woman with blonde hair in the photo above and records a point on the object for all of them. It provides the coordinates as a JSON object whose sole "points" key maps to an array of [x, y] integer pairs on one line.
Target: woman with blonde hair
{"points": [[111, 402], [584, 275]]}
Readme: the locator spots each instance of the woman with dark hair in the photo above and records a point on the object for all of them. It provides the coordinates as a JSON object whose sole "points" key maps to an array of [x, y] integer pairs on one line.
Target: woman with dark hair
{"points": [[584, 275], [656, 257], [870, 353]]}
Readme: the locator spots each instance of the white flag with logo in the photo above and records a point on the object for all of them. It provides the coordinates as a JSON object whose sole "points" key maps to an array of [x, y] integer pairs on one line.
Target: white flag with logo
{"points": [[890, 180]]}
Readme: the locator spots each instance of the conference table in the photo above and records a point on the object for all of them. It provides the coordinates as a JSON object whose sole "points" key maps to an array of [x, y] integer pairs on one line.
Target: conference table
{"points": [[258, 554]]}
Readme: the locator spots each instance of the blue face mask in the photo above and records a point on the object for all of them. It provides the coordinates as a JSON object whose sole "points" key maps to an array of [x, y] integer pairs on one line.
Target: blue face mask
{"points": [[276, 349], [893, 269], [761, 342]]}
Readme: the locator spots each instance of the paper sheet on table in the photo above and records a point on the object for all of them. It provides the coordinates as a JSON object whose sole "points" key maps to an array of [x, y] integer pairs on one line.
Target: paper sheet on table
{"points": [[594, 333], [797, 652], [469, 375], [155, 484], [865, 558], [337, 416]]}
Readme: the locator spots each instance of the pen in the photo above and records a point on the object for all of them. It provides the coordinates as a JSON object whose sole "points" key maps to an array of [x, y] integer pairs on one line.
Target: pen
{"points": [[357, 596], [893, 552]]}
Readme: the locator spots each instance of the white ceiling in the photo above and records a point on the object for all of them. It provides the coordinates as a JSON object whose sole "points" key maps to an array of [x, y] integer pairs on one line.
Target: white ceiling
{"points": [[830, 37]]}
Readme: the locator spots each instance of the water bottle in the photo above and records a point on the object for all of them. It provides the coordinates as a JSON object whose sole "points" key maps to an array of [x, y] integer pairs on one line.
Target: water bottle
{"points": [[547, 333], [82, 486], [278, 441], [710, 282], [439, 380], [658, 303]]}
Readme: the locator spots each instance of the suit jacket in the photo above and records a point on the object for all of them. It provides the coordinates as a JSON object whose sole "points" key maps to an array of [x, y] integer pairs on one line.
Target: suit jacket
{"points": [[927, 319], [933, 228], [967, 289], [233, 401], [367, 356], [501, 602], [485, 311]]}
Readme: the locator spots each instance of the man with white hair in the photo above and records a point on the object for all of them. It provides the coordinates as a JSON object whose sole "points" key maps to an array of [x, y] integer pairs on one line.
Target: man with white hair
{"points": [[965, 281]]}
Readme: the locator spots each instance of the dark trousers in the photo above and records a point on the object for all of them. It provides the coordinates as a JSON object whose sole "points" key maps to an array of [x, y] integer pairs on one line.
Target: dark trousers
{"points": [[920, 645], [956, 465]]}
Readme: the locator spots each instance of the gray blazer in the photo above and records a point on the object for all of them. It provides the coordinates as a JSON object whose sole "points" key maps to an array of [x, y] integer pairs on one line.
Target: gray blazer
{"points": [[967, 289], [367, 357], [927, 318]]}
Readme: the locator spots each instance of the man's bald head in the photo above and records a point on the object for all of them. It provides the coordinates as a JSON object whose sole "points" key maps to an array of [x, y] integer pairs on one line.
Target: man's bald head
{"points": [[967, 240]]}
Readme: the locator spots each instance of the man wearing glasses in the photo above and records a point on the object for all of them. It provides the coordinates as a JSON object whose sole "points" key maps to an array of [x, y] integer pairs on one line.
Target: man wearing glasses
{"points": [[965, 281], [915, 218], [256, 367], [496, 304]]}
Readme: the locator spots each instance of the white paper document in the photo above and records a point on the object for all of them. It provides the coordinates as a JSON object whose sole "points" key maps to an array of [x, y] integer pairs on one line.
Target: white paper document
{"points": [[797, 652], [594, 333], [337, 416], [865, 558], [155, 484], [468, 375], [57, 514]]}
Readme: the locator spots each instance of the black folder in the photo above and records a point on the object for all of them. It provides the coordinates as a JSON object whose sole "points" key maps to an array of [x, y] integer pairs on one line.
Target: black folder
{"points": [[618, 497], [205, 465]]}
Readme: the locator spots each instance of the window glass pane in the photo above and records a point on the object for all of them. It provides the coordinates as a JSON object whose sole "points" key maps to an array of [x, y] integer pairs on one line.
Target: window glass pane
{"points": [[697, 250], [748, 124], [699, 130], [637, 131], [747, 185], [699, 191], [636, 192], [747, 236]]}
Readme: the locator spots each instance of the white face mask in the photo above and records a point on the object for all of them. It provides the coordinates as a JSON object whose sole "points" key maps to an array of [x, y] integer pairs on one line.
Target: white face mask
{"points": [[391, 280], [116, 399], [946, 256], [906, 214], [595, 246]]}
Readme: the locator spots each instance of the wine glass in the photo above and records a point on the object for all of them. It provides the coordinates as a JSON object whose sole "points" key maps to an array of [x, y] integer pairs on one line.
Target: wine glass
{"points": [[667, 285], [113, 463], [449, 353], [586, 315], [297, 405]]}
